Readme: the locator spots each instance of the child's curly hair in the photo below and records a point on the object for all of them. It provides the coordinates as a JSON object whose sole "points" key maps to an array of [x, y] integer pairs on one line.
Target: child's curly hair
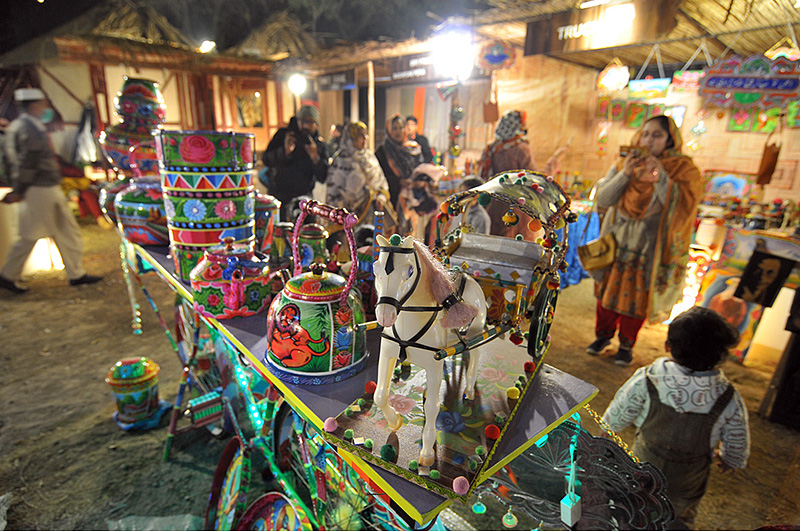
{"points": [[700, 339]]}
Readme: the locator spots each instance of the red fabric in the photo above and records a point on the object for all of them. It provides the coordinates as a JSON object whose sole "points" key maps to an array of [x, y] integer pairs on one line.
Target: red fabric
{"points": [[88, 203], [608, 320]]}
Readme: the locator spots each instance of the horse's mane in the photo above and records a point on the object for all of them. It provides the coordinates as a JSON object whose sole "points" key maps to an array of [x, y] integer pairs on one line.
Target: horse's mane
{"points": [[441, 286]]}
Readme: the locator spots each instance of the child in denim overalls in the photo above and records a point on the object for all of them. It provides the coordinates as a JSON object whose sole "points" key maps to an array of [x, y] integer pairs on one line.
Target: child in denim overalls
{"points": [[684, 408]]}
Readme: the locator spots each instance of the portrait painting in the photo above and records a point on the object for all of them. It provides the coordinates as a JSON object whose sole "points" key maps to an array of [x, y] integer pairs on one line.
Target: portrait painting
{"points": [[763, 278]]}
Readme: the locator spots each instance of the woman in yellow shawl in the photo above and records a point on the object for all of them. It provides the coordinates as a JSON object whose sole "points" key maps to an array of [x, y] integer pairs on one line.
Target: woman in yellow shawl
{"points": [[651, 196]]}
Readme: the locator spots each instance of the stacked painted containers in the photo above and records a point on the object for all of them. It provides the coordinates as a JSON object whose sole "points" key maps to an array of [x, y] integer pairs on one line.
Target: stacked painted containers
{"points": [[207, 181]]}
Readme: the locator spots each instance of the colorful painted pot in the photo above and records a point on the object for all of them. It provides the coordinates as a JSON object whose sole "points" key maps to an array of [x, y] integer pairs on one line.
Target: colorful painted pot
{"points": [[312, 248], [230, 282], [211, 200], [139, 209], [313, 335], [267, 213], [107, 195], [134, 382]]}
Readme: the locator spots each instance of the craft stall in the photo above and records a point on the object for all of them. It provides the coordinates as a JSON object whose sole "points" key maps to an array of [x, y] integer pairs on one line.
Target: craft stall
{"points": [[380, 424]]}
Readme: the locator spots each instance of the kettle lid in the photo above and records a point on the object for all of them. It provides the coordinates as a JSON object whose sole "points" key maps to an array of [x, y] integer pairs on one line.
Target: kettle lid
{"points": [[317, 285]]}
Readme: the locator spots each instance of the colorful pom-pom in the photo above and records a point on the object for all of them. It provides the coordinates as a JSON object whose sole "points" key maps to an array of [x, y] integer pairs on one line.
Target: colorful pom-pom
{"points": [[388, 453], [396, 240], [370, 387], [521, 200], [473, 465], [492, 432], [549, 178], [330, 425], [461, 485], [348, 433], [512, 393], [361, 402], [480, 451], [529, 366], [484, 199], [516, 338], [413, 465], [443, 207], [368, 444], [435, 474]]}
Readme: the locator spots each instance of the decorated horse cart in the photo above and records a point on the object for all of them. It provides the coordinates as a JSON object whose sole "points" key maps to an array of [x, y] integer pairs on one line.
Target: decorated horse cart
{"points": [[384, 424]]}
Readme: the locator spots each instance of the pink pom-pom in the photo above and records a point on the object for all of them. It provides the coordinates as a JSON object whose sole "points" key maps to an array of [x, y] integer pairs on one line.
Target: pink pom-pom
{"points": [[476, 273], [521, 200], [461, 485], [549, 178], [330, 425], [548, 338]]}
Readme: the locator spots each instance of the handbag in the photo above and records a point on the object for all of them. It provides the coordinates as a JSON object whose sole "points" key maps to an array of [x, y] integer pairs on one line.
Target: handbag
{"points": [[769, 159], [598, 253]]}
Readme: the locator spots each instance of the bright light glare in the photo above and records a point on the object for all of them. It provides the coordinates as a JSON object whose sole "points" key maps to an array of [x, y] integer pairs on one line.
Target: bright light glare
{"points": [[454, 54], [207, 46], [594, 3], [257, 94], [621, 14], [297, 84]]}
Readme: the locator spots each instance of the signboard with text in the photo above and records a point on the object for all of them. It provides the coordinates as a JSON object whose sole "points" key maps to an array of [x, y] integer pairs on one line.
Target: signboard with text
{"points": [[604, 26], [753, 82]]}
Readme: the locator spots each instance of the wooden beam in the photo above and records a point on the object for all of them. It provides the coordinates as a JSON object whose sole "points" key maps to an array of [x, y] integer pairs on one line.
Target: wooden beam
{"points": [[699, 27]]}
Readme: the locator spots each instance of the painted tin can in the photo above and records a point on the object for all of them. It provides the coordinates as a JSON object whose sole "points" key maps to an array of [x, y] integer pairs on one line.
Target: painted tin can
{"points": [[267, 214], [207, 179], [280, 254], [134, 382], [311, 245], [107, 195], [230, 281], [139, 210]]}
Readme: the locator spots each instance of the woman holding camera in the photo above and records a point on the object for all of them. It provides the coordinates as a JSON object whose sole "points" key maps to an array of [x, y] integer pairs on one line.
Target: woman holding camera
{"points": [[651, 196]]}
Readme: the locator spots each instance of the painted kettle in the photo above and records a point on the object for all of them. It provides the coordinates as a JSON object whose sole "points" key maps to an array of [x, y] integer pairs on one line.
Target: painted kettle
{"points": [[313, 332]]}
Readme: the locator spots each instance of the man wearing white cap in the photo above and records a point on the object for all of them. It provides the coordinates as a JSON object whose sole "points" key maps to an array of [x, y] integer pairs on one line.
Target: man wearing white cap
{"points": [[36, 180]]}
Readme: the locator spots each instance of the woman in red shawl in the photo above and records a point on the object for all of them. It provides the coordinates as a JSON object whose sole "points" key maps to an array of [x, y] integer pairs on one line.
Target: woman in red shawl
{"points": [[651, 197]]}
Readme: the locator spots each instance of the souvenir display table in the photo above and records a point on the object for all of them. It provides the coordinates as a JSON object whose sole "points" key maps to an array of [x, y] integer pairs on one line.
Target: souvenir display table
{"points": [[554, 397]]}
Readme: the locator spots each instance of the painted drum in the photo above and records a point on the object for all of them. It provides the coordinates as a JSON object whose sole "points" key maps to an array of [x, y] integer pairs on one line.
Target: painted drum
{"points": [[312, 247], [205, 151], [267, 214], [230, 281], [210, 200], [139, 209], [312, 333], [134, 382]]}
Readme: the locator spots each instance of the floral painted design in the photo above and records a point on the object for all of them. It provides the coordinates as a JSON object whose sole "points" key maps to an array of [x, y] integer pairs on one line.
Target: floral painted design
{"points": [[343, 339], [169, 208], [344, 315], [137, 89], [194, 210], [153, 193], [450, 422], [341, 359], [128, 107], [225, 209], [197, 149], [249, 204], [312, 286], [246, 151], [402, 404], [213, 299]]}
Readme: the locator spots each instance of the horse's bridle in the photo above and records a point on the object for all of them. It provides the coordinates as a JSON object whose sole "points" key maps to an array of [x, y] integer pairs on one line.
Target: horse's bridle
{"points": [[399, 305]]}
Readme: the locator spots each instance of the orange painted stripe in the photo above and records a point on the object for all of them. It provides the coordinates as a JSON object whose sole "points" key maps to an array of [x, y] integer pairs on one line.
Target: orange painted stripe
{"points": [[419, 106]]}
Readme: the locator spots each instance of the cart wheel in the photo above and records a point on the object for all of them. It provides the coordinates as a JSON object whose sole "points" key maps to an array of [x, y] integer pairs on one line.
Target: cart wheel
{"points": [[544, 302], [274, 511], [228, 497]]}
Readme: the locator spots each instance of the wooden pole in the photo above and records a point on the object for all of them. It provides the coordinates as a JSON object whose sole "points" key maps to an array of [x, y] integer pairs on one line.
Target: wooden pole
{"points": [[354, 98], [371, 104]]}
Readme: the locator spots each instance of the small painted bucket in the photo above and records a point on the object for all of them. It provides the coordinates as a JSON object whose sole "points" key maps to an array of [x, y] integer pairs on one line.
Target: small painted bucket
{"points": [[311, 243], [267, 213], [134, 382]]}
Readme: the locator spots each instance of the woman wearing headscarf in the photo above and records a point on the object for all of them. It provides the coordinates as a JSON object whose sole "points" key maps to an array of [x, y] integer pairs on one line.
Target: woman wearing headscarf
{"points": [[355, 178], [509, 151], [398, 156], [651, 196]]}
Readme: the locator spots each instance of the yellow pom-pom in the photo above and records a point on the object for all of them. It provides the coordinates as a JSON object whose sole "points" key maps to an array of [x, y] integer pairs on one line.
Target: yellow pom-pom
{"points": [[512, 393]]}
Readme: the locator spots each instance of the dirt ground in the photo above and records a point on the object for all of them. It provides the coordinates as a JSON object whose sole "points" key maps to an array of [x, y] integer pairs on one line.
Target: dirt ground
{"points": [[68, 466]]}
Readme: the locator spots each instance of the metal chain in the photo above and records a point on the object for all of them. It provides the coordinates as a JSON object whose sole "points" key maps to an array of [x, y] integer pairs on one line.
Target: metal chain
{"points": [[614, 437]]}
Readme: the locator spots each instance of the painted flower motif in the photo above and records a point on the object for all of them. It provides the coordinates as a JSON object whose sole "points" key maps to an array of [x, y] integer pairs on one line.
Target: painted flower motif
{"points": [[214, 272], [450, 422], [249, 204], [343, 339], [128, 107], [135, 89], [194, 210], [493, 375], [225, 209], [341, 359], [344, 315], [402, 404], [239, 312], [197, 149], [213, 299], [161, 113], [223, 143], [312, 286], [169, 208], [153, 193], [246, 151]]}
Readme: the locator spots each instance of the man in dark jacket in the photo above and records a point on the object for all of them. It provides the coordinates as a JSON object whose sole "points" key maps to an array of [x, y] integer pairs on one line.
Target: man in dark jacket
{"points": [[296, 157], [425, 146]]}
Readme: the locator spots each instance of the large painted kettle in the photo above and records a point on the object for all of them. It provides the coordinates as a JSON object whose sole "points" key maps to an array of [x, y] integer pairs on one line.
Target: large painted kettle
{"points": [[313, 331]]}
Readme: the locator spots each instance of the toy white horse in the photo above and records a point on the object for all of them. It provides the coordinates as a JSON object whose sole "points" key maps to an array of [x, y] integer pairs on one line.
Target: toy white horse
{"points": [[420, 306]]}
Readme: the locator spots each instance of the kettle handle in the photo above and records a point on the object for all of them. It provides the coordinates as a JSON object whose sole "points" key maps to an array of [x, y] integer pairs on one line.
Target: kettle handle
{"points": [[340, 216]]}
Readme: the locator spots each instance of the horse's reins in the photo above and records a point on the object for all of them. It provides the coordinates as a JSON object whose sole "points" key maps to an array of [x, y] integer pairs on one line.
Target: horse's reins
{"points": [[446, 304]]}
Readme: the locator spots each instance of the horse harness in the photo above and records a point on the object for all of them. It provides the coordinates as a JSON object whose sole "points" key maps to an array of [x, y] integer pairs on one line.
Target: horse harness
{"points": [[450, 301]]}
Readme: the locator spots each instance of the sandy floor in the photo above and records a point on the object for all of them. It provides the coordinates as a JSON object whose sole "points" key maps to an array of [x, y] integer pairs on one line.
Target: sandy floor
{"points": [[68, 465]]}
